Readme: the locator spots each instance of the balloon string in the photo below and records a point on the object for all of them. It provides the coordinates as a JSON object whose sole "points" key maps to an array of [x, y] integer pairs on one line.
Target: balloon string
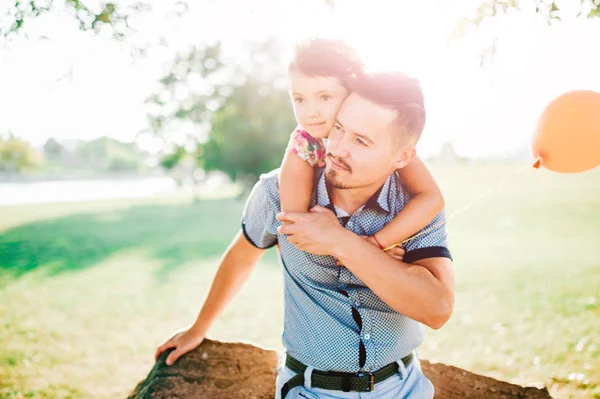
{"points": [[469, 204]]}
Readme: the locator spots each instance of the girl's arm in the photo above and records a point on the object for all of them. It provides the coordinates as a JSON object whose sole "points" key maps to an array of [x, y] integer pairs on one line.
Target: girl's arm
{"points": [[426, 202], [302, 155], [295, 183]]}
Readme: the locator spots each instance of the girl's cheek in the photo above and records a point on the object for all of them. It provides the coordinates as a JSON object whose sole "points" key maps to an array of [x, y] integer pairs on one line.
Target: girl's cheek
{"points": [[334, 108], [298, 112], [332, 111]]}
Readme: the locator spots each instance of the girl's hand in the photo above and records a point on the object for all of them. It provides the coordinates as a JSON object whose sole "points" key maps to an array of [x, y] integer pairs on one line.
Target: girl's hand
{"points": [[396, 252]]}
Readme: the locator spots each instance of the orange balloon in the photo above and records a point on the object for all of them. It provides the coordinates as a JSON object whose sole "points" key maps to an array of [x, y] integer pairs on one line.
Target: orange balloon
{"points": [[567, 137]]}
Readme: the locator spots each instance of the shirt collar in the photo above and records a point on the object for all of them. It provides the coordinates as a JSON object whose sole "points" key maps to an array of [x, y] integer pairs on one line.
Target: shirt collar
{"points": [[378, 201]]}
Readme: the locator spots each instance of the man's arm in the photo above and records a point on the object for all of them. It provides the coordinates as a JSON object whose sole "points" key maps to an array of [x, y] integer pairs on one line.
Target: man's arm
{"points": [[238, 262], [422, 290], [236, 265]]}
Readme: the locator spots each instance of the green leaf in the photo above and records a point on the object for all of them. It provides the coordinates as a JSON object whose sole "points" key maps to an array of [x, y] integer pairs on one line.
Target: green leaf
{"points": [[181, 113]]}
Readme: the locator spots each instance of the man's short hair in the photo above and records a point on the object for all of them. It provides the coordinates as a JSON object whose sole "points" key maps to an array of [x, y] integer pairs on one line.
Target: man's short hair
{"points": [[318, 56], [397, 92]]}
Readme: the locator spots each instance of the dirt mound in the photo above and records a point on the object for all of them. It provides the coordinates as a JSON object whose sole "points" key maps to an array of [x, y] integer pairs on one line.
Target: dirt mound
{"points": [[453, 383], [236, 370]]}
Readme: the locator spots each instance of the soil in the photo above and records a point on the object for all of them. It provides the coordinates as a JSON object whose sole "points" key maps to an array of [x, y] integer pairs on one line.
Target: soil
{"points": [[237, 370]]}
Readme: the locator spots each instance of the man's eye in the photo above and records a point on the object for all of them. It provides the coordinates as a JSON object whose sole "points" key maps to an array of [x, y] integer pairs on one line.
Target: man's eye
{"points": [[338, 127], [359, 141], [298, 100], [325, 97]]}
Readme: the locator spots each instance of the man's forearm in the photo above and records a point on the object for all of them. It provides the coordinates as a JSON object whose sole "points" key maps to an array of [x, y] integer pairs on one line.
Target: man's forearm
{"points": [[235, 268], [410, 289]]}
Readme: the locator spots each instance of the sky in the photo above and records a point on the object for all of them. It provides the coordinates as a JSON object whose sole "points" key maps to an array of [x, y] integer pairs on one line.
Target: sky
{"points": [[69, 84]]}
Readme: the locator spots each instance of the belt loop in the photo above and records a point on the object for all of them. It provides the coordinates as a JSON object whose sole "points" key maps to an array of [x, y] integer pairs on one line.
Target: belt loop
{"points": [[415, 361], [401, 369], [308, 377], [346, 384], [281, 361]]}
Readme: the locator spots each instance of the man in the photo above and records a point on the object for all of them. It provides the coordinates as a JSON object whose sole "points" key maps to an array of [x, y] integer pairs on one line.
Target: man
{"points": [[352, 312]]}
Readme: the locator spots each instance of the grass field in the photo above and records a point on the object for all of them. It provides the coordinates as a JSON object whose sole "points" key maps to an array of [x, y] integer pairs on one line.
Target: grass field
{"points": [[88, 290]]}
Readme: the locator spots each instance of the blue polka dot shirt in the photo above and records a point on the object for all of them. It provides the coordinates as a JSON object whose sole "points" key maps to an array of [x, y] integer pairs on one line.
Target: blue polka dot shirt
{"points": [[332, 320]]}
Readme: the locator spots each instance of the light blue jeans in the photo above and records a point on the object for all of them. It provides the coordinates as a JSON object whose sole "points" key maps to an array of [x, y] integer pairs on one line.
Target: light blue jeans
{"points": [[408, 383]]}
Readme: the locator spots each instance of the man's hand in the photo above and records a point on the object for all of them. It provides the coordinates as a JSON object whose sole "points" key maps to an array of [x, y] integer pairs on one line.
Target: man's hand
{"points": [[183, 342], [317, 231]]}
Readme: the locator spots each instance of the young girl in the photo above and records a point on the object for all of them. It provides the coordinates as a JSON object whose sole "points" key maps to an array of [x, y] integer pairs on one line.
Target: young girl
{"points": [[320, 78]]}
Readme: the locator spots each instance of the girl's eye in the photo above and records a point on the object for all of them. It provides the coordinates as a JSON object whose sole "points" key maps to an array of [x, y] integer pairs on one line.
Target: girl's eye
{"points": [[325, 97], [298, 100], [338, 127], [360, 142]]}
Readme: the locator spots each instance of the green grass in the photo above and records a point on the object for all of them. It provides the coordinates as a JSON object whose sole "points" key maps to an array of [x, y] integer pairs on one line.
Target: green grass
{"points": [[88, 290]]}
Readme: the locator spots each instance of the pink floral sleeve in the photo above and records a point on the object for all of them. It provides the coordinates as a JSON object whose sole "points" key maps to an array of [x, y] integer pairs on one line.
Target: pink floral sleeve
{"points": [[310, 149]]}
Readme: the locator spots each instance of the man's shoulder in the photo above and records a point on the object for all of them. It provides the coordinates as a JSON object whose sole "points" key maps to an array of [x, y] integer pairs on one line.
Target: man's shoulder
{"points": [[270, 178], [258, 218], [398, 192], [268, 186], [264, 201]]}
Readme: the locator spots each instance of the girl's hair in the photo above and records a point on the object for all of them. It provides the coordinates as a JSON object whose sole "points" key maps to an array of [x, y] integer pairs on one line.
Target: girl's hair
{"points": [[328, 58]]}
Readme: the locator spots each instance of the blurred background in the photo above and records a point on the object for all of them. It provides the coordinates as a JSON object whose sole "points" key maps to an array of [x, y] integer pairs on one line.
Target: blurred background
{"points": [[130, 133]]}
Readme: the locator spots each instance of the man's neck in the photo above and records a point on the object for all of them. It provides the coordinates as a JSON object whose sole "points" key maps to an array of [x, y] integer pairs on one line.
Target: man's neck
{"points": [[351, 199]]}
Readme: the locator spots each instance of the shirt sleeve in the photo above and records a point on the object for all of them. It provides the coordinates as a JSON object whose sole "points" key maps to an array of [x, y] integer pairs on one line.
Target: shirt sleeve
{"points": [[307, 147], [258, 219], [430, 242]]}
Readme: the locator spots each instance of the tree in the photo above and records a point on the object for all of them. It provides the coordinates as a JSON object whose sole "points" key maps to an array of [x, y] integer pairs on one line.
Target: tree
{"points": [[547, 9], [117, 13], [237, 120], [174, 158], [182, 108], [18, 156], [490, 10], [251, 129], [114, 14], [109, 155], [188, 95], [53, 150], [448, 154], [250, 132]]}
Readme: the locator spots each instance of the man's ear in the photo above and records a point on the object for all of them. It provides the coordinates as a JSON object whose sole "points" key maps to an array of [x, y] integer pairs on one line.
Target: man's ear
{"points": [[405, 155]]}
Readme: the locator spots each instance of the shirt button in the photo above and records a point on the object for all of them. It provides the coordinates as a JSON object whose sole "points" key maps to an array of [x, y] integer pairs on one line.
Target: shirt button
{"points": [[367, 336], [350, 224]]}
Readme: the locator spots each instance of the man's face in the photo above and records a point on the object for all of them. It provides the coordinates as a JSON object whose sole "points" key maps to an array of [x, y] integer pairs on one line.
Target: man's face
{"points": [[316, 101], [363, 147]]}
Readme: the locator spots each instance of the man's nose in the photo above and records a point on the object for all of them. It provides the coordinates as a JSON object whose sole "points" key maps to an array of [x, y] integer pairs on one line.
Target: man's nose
{"points": [[336, 146]]}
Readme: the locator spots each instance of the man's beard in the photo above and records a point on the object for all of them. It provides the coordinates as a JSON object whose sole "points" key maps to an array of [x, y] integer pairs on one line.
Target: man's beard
{"points": [[331, 178], [331, 174]]}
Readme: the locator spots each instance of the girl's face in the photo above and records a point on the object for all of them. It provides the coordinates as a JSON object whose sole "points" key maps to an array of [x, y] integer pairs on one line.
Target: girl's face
{"points": [[316, 101]]}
